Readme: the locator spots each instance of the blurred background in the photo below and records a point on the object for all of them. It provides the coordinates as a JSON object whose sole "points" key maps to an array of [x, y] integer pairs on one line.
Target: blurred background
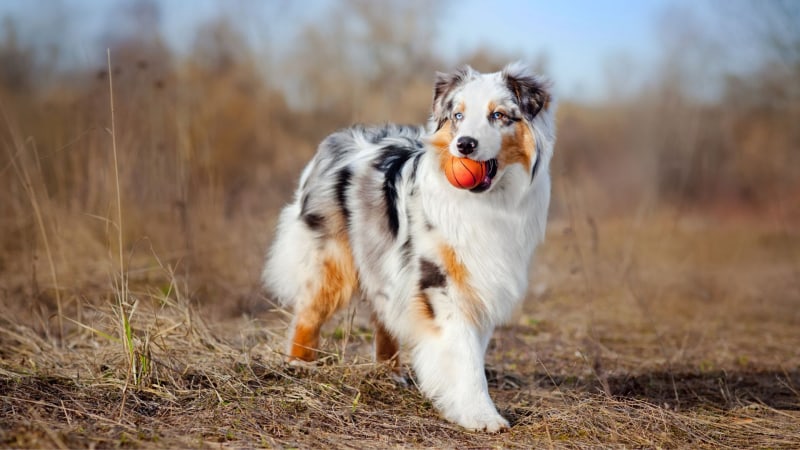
{"points": [[684, 114]]}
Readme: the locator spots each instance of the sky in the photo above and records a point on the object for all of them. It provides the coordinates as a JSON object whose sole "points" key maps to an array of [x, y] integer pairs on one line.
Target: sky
{"points": [[578, 37]]}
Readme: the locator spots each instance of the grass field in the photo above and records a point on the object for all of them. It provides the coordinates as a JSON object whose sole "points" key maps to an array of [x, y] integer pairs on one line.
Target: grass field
{"points": [[668, 331], [138, 197]]}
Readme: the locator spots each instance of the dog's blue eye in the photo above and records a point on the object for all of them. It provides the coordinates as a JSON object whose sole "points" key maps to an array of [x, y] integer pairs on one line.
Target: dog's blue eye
{"points": [[497, 115], [458, 116]]}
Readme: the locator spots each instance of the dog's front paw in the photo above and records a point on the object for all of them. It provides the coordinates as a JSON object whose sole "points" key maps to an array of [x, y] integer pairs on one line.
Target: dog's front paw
{"points": [[400, 378], [490, 423]]}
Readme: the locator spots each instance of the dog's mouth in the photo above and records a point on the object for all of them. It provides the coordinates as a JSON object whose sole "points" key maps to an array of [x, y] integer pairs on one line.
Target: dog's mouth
{"points": [[486, 183]]}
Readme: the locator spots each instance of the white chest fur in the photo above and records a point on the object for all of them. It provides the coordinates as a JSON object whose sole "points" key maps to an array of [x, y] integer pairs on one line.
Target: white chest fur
{"points": [[492, 234]]}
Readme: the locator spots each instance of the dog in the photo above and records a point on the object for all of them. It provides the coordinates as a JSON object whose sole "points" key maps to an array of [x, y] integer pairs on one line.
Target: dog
{"points": [[375, 217]]}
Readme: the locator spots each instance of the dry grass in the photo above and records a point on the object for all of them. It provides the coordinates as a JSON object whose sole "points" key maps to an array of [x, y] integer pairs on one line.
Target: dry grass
{"points": [[656, 348]]}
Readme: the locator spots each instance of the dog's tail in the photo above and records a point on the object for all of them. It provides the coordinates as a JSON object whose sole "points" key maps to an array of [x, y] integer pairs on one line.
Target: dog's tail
{"points": [[290, 257]]}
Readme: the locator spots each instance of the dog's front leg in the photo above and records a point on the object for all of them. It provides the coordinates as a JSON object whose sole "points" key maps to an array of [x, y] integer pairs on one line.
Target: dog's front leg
{"points": [[449, 365]]}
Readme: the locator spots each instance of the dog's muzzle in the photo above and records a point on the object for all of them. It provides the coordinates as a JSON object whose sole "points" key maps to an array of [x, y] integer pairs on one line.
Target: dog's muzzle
{"points": [[491, 171]]}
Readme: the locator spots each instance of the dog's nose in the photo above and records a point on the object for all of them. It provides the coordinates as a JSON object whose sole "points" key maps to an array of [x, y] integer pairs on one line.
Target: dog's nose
{"points": [[466, 145]]}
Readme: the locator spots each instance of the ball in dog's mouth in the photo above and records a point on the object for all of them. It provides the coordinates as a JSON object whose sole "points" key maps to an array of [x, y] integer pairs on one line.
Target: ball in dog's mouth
{"points": [[486, 183]]}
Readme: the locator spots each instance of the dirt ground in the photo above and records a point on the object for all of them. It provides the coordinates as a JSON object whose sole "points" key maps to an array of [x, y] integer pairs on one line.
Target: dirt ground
{"points": [[664, 332]]}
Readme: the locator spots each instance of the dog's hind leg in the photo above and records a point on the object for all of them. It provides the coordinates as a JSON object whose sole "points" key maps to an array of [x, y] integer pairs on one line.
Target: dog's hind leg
{"points": [[312, 272], [329, 288], [386, 347]]}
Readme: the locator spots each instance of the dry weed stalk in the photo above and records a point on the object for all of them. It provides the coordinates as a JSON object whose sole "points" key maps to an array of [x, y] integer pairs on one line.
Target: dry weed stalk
{"points": [[138, 363]]}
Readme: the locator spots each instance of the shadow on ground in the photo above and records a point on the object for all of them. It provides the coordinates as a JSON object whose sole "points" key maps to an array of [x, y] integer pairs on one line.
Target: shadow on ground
{"points": [[724, 389]]}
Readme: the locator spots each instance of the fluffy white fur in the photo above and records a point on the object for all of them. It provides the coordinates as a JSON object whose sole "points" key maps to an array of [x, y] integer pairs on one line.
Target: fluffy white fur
{"points": [[374, 216]]}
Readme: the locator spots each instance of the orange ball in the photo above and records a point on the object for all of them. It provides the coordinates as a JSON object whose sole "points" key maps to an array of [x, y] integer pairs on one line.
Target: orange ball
{"points": [[464, 173]]}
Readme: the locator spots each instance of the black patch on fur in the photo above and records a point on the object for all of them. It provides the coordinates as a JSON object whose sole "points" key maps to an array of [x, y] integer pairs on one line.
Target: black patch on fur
{"points": [[338, 144], [530, 94], [343, 179], [431, 275], [303, 204], [445, 83], [376, 135], [314, 221], [536, 163], [408, 247], [414, 168], [391, 162], [405, 250]]}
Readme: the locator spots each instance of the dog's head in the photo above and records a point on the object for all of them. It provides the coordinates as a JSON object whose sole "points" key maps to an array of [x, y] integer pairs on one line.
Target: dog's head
{"points": [[505, 118]]}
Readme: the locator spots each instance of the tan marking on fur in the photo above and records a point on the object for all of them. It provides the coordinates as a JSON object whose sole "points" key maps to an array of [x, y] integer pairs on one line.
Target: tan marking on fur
{"points": [[518, 148], [440, 141], [305, 340], [338, 227], [492, 106], [424, 313], [386, 348], [423, 303], [453, 266], [337, 284], [473, 307]]}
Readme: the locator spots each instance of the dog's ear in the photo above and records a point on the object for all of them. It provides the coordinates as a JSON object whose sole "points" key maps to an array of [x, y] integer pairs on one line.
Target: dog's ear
{"points": [[445, 84], [530, 92]]}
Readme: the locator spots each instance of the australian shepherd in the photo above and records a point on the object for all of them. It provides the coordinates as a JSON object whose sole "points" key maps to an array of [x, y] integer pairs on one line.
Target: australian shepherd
{"points": [[374, 217]]}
